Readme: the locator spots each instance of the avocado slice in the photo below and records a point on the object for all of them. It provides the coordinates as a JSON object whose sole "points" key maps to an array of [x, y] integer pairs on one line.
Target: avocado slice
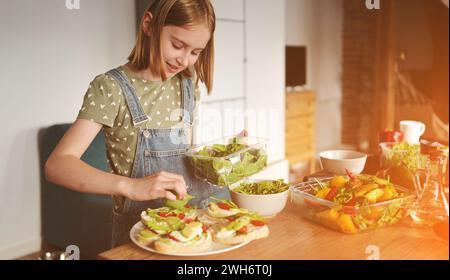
{"points": [[178, 204], [174, 222], [155, 225], [239, 223], [191, 229], [147, 234]]}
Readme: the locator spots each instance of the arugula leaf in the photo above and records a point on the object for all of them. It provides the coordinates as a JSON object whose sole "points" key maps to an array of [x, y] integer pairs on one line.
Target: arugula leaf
{"points": [[404, 154], [368, 179], [264, 187], [342, 197]]}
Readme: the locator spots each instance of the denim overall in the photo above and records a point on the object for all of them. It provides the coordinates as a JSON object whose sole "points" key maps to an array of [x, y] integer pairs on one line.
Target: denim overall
{"points": [[157, 150]]}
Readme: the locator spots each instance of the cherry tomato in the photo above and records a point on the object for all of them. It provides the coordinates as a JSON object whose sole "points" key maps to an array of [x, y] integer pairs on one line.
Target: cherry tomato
{"points": [[223, 206], [257, 223], [242, 229], [167, 214], [331, 193], [230, 219]]}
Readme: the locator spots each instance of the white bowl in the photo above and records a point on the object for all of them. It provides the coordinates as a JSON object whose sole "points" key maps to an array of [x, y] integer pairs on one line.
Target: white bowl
{"points": [[337, 161], [267, 205]]}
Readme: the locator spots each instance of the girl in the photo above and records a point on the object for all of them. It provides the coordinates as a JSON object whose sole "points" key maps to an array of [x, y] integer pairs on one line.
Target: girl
{"points": [[146, 110]]}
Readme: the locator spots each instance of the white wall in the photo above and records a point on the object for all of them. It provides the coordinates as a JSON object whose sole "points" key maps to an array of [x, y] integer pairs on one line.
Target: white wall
{"points": [[265, 72], [49, 55], [215, 118], [249, 78], [317, 24]]}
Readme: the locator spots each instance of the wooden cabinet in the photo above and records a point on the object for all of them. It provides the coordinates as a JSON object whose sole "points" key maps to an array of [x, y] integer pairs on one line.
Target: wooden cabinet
{"points": [[300, 128]]}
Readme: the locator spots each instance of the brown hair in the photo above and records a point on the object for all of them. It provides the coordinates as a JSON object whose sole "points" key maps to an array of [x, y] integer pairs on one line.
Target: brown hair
{"points": [[147, 51]]}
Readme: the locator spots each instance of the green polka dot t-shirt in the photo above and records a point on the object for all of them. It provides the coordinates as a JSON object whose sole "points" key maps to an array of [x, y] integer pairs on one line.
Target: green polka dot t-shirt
{"points": [[104, 103]]}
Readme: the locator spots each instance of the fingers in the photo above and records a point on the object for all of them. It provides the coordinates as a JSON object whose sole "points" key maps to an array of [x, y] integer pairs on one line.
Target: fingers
{"points": [[179, 189], [170, 195], [172, 176], [163, 193], [180, 185], [174, 185], [243, 133]]}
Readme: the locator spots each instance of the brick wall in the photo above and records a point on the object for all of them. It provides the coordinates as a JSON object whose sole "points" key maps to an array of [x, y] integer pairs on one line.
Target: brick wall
{"points": [[359, 33], [359, 49]]}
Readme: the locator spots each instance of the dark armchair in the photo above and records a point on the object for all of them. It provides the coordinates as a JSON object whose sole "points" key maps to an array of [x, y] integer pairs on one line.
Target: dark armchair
{"points": [[69, 217]]}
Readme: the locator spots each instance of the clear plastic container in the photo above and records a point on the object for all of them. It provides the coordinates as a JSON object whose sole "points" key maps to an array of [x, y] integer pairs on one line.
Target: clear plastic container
{"points": [[222, 163], [400, 163], [350, 219], [404, 154]]}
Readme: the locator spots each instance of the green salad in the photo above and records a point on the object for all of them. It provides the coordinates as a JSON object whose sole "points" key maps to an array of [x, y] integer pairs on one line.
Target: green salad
{"points": [[263, 187], [404, 154], [226, 164], [400, 162]]}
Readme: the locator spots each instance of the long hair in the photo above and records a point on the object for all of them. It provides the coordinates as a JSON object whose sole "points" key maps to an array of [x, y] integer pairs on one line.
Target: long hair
{"points": [[147, 51]]}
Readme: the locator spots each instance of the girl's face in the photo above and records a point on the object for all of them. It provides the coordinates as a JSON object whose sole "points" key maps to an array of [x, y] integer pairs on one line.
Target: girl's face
{"points": [[181, 47]]}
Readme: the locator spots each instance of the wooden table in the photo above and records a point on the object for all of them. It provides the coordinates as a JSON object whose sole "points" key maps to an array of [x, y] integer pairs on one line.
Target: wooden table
{"points": [[294, 238]]}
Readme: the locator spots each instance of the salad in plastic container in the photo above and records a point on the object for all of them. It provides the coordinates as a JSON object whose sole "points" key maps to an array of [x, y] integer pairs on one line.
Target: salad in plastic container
{"points": [[229, 160], [402, 153], [401, 162], [352, 204]]}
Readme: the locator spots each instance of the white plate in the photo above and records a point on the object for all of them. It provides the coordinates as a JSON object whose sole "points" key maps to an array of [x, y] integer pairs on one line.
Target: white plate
{"points": [[216, 248]]}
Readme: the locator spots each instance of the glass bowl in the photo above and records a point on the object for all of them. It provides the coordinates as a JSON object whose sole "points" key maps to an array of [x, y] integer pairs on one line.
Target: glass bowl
{"points": [[350, 219]]}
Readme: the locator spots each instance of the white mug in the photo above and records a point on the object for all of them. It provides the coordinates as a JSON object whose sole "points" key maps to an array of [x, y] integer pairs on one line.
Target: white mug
{"points": [[412, 130]]}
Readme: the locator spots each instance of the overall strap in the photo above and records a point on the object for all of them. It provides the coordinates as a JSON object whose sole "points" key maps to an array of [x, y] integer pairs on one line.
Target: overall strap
{"points": [[138, 115], [188, 105]]}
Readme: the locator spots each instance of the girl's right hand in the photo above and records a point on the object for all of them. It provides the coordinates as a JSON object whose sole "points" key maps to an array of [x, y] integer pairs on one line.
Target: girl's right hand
{"points": [[159, 185], [243, 133]]}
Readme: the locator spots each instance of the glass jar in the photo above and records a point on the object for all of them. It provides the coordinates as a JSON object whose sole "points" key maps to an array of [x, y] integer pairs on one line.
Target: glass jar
{"points": [[431, 205]]}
